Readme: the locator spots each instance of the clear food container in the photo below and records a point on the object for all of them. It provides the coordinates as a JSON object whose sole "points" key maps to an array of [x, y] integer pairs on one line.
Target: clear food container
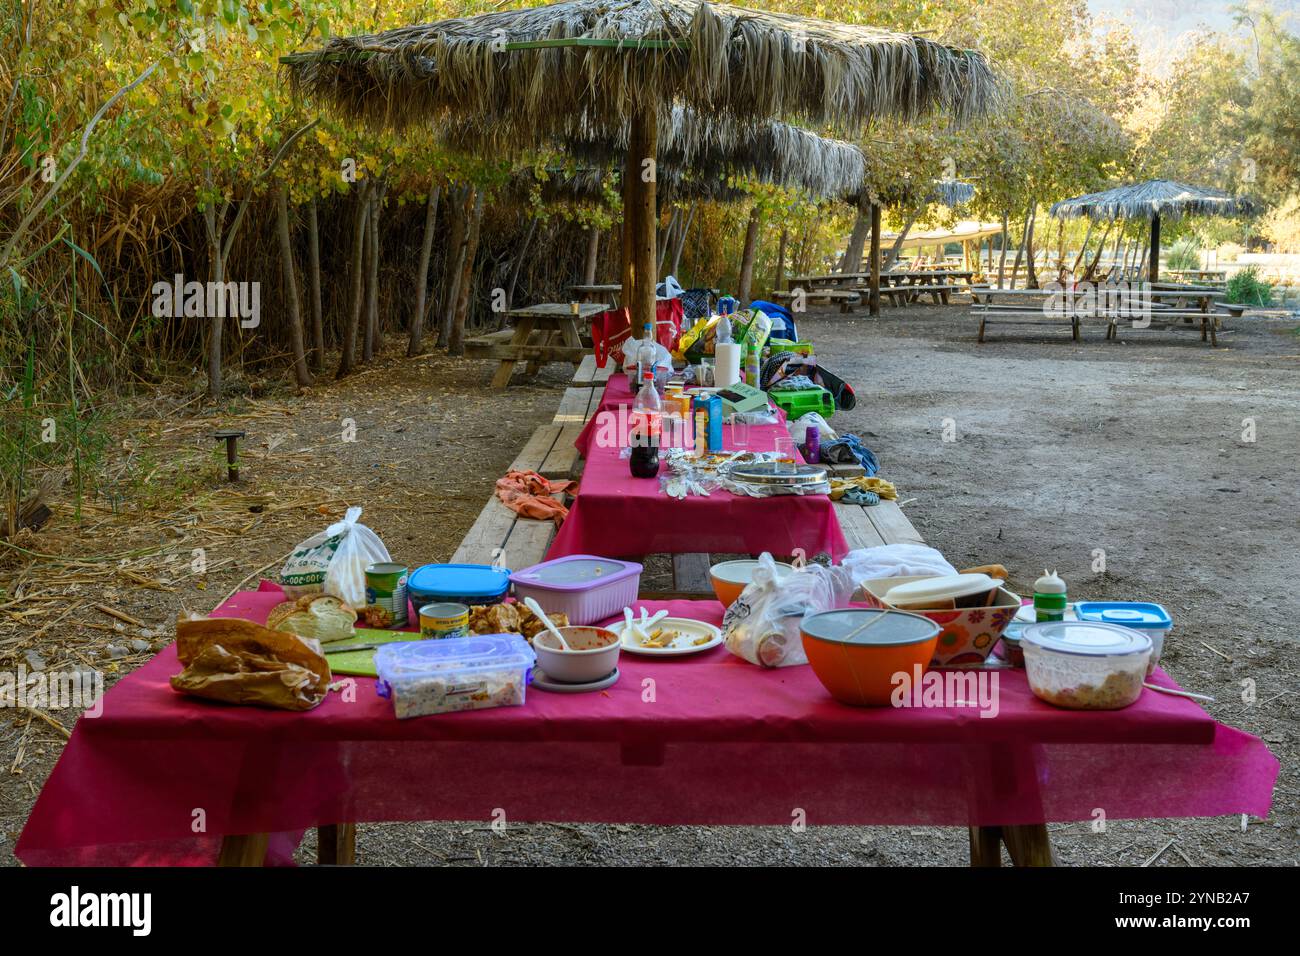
{"points": [[463, 673], [587, 588], [1151, 619], [1085, 666]]}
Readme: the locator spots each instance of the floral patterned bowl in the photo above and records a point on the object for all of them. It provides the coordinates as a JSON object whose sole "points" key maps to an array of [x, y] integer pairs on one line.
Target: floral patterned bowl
{"points": [[968, 634]]}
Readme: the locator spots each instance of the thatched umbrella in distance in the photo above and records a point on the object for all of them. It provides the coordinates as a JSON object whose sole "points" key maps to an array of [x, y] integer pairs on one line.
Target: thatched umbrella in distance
{"points": [[627, 62], [1154, 200]]}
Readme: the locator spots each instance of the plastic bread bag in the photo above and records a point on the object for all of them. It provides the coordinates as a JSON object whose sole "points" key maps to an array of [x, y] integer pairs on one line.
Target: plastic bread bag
{"points": [[762, 625], [334, 561]]}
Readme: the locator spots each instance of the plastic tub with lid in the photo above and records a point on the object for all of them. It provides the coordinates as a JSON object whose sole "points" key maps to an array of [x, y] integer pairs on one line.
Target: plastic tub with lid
{"points": [[1151, 619], [457, 584], [468, 673], [1083, 665], [586, 587]]}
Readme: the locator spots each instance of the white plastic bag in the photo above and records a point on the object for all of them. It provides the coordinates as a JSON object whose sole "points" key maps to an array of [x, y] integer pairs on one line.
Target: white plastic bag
{"points": [[798, 428], [334, 561], [762, 625], [895, 561]]}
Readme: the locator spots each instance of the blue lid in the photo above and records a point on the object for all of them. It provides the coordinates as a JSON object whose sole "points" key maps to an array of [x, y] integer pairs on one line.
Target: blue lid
{"points": [[1125, 613], [459, 581]]}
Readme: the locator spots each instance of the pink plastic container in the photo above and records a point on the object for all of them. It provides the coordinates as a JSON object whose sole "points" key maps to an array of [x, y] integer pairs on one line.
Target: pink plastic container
{"points": [[585, 587]]}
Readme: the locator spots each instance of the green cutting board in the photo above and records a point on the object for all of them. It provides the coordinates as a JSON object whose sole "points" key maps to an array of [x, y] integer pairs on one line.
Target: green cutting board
{"points": [[362, 663]]}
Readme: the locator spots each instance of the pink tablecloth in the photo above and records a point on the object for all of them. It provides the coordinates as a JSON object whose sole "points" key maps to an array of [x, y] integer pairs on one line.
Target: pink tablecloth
{"points": [[617, 515], [699, 740]]}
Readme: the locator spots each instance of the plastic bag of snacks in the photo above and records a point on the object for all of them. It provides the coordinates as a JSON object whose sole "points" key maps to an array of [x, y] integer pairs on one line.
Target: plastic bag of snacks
{"points": [[334, 561], [762, 625]]}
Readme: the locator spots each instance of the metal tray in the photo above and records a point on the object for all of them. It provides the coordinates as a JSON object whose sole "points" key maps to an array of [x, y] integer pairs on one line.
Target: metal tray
{"points": [[778, 473]]}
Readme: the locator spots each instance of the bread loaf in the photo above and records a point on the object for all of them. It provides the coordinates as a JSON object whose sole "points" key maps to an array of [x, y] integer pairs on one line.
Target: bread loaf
{"points": [[320, 616], [240, 662]]}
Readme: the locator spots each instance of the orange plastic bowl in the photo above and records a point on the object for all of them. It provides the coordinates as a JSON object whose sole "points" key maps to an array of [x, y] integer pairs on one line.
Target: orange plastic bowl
{"points": [[730, 578], [859, 669]]}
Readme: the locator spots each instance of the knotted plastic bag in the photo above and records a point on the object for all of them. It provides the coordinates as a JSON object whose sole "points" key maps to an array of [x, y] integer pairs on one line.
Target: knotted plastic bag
{"points": [[762, 625], [334, 561]]}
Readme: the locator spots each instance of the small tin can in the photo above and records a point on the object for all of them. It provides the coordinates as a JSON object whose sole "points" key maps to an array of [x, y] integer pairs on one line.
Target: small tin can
{"points": [[386, 586], [444, 620]]}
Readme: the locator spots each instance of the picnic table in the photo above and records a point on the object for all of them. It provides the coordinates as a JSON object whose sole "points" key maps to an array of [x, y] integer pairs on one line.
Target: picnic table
{"points": [[618, 515], [1159, 305], [899, 286], [546, 332], [599, 292], [724, 743], [1200, 275]]}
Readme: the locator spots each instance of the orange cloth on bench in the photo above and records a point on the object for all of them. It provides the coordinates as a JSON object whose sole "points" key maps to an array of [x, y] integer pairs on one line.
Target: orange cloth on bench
{"points": [[529, 494]]}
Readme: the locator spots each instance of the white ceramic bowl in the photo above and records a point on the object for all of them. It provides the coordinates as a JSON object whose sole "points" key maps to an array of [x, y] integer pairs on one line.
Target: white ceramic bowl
{"points": [[594, 655]]}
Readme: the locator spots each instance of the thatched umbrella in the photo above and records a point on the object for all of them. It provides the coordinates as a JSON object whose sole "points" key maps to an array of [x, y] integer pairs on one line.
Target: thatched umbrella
{"points": [[625, 63], [1154, 200]]}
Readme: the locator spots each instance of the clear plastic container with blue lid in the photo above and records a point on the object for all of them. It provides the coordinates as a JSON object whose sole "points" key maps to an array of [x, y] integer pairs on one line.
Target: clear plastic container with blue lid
{"points": [[462, 673], [457, 583], [1151, 619]]}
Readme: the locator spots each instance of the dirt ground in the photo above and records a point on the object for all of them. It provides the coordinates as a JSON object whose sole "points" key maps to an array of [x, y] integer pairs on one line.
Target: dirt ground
{"points": [[1137, 449]]}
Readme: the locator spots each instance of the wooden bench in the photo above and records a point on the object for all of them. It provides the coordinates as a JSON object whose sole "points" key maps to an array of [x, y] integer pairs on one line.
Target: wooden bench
{"points": [[590, 375]]}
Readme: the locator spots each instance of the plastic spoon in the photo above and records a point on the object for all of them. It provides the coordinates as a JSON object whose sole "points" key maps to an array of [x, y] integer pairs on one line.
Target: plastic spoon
{"points": [[1178, 693], [536, 608]]}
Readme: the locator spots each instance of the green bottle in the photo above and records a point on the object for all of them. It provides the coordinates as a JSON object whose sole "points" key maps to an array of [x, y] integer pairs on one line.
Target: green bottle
{"points": [[1049, 597]]}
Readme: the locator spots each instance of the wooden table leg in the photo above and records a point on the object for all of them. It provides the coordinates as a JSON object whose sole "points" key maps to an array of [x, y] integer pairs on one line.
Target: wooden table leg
{"points": [[985, 846], [336, 844], [1028, 845], [523, 329], [571, 335], [244, 849]]}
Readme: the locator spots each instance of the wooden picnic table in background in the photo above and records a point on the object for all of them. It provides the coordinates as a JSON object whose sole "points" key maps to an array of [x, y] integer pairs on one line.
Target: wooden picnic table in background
{"points": [[600, 292], [546, 332]]}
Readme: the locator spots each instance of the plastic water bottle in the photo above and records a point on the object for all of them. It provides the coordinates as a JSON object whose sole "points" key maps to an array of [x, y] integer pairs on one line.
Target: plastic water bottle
{"points": [[1050, 597], [723, 331], [812, 444]]}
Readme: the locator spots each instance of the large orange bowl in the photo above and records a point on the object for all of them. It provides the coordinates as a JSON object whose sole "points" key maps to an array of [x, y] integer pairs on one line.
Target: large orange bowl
{"points": [[731, 577], [859, 668]]}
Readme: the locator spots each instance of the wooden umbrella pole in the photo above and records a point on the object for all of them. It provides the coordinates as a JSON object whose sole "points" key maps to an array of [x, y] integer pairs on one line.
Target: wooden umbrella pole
{"points": [[631, 176], [644, 144]]}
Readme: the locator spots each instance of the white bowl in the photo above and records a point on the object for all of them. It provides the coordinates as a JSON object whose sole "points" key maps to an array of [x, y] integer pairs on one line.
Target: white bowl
{"points": [[595, 655]]}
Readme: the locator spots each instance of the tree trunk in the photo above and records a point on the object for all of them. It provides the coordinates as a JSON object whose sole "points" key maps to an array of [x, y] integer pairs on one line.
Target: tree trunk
{"points": [[778, 279], [748, 257], [372, 292], [1084, 248], [415, 341], [1031, 279], [873, 303], [1002, 257], [851, 261], [455, 249], [1153, 270], [348, 358], [669, 238], [1020, 249], [456, 342], [519, 262], [1091, 273], [317, 312], [898, 243], [290, 286], [215, 322], [682, 230], [593, 253]]}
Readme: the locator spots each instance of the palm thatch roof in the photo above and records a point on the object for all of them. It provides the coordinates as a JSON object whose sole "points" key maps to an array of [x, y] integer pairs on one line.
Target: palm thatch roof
{"points": [[711, 149], [531, 68], [1156, 197]]}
